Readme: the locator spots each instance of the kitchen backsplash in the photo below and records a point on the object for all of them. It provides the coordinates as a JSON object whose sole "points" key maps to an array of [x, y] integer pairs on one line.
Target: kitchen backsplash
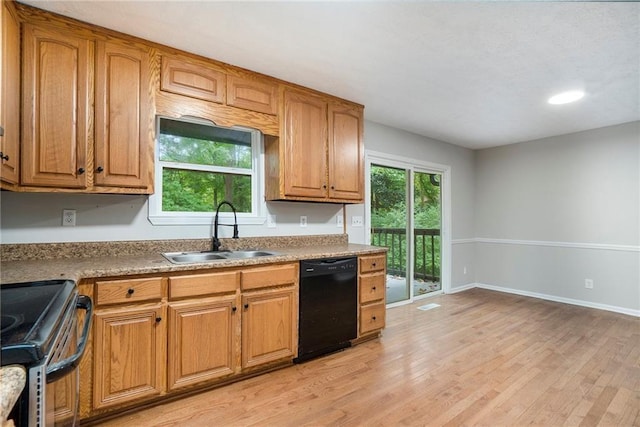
{"points": [[34, 251]]}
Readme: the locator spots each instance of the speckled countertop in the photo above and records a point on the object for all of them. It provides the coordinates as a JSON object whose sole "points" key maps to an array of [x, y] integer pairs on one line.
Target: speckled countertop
{"points": [[12, 381], [77, 261]]}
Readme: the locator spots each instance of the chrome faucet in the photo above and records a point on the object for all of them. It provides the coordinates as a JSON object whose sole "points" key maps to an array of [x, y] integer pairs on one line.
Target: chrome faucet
{"points": [[215, 242]]}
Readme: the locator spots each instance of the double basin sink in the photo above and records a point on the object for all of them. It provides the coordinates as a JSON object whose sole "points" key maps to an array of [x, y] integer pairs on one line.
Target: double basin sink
{"points": [[212, 256]]}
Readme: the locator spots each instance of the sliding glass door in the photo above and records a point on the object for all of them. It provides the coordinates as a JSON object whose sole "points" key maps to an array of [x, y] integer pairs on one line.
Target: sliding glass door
{"points": [[406, 217]]}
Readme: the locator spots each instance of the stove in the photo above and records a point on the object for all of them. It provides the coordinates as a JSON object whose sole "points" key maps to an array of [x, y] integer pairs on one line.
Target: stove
{"points": [[39, 330]]}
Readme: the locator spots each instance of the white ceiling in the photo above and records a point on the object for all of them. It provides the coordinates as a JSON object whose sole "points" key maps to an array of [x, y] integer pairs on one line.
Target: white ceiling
{"points": [[475, 74]]}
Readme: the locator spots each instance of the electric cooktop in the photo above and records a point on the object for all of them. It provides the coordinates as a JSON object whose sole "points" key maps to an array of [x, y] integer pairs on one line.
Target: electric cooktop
{"points": [[30, 315]]}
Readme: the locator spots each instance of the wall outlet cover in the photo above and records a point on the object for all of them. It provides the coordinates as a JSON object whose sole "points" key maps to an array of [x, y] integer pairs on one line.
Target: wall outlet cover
{"points": [[68, 217], [357, 221]]}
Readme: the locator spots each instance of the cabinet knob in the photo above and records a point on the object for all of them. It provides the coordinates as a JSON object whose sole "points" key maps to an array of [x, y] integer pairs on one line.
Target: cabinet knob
{"points": [[130, 291], [234, 309], [99, 169], [373, 317], [373, 264], [333, 188], [373, 288], [80, 171], [158, 319], [246, 306], [324, 186], [4, 156]]}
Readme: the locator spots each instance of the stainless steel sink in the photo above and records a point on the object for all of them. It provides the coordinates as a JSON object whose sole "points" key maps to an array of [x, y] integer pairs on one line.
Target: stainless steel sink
{"points": [[247, 254], [211, 256]]}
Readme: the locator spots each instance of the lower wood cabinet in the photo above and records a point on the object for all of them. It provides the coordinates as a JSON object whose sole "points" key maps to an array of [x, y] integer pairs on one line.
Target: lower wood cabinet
{"points": [[202, 341], [129, 354], [154, 336], [269, 327], [372, 277]]}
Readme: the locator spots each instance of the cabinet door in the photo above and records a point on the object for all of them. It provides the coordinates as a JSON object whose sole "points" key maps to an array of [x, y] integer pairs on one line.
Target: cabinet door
{"points": [[305, 145], [252, 94], [56, 107], [195, 80], [124, 122], [268, 327], [202, 341], [346, 153], [129, 355], [10, 94]]}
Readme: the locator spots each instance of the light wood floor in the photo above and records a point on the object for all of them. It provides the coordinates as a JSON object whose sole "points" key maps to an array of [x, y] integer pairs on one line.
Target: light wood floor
{"points": [[481, 358]]}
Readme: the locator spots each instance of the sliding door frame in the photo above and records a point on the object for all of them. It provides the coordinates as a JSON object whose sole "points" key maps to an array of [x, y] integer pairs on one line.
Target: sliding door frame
{"points": [[394, 161]]}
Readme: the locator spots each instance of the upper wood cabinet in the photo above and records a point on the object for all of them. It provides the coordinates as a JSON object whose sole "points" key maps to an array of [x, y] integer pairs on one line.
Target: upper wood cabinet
{"points": [[124, 116], [58, 110], [252, 94], [319, 155], [57, 100], [346, 152], [9, 94], [192, 79]]}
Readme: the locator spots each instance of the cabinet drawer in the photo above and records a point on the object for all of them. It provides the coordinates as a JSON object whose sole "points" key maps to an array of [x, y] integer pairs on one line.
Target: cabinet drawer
{"points": [[280, 275], [203, 284], [372, 287], [252, 95], [372, 317], [192, 79], [124, 291], [373, 263]]}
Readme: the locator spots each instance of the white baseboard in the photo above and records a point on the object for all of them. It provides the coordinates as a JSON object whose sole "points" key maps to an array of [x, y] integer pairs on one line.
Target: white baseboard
{"points": [[615, 309], [462, 288]]}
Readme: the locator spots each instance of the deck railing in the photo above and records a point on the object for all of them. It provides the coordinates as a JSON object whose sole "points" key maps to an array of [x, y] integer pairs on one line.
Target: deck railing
{"points": [[426, 251]]}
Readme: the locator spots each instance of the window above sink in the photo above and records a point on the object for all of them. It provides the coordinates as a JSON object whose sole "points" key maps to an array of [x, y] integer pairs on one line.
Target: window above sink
{"points": [[198, 165]]}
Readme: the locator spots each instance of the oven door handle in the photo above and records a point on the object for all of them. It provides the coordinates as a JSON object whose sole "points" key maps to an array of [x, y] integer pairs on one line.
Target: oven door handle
{"points": [[63, 367]]}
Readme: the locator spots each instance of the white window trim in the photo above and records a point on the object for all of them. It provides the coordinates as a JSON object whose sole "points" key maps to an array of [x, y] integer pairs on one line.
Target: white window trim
{"points": [[258, 204]]}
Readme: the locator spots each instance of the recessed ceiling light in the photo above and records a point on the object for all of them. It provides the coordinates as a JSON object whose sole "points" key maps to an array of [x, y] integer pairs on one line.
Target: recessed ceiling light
{"points": [[566, 97]]}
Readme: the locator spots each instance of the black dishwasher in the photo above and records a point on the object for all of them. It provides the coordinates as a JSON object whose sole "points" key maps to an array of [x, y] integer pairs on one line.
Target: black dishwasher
{"points": [[328, 306]]}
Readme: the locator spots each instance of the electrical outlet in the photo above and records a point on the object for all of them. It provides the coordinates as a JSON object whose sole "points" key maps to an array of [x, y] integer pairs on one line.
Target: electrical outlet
{"points": [[339, 220], [356, 221], [271, 221], [303, 220], [68, 217], [588, 283]]}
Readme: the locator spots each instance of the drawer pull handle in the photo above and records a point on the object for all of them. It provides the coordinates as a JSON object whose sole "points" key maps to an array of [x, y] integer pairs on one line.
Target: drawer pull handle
{"points": [[158, 319], [130, 291]]}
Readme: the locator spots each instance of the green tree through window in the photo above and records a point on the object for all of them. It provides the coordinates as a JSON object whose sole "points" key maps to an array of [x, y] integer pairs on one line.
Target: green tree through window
{"points": [[203, 165]]}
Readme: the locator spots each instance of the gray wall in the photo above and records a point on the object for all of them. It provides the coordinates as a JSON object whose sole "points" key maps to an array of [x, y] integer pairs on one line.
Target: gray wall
{"points": [[385, 139], [551, 213]]}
